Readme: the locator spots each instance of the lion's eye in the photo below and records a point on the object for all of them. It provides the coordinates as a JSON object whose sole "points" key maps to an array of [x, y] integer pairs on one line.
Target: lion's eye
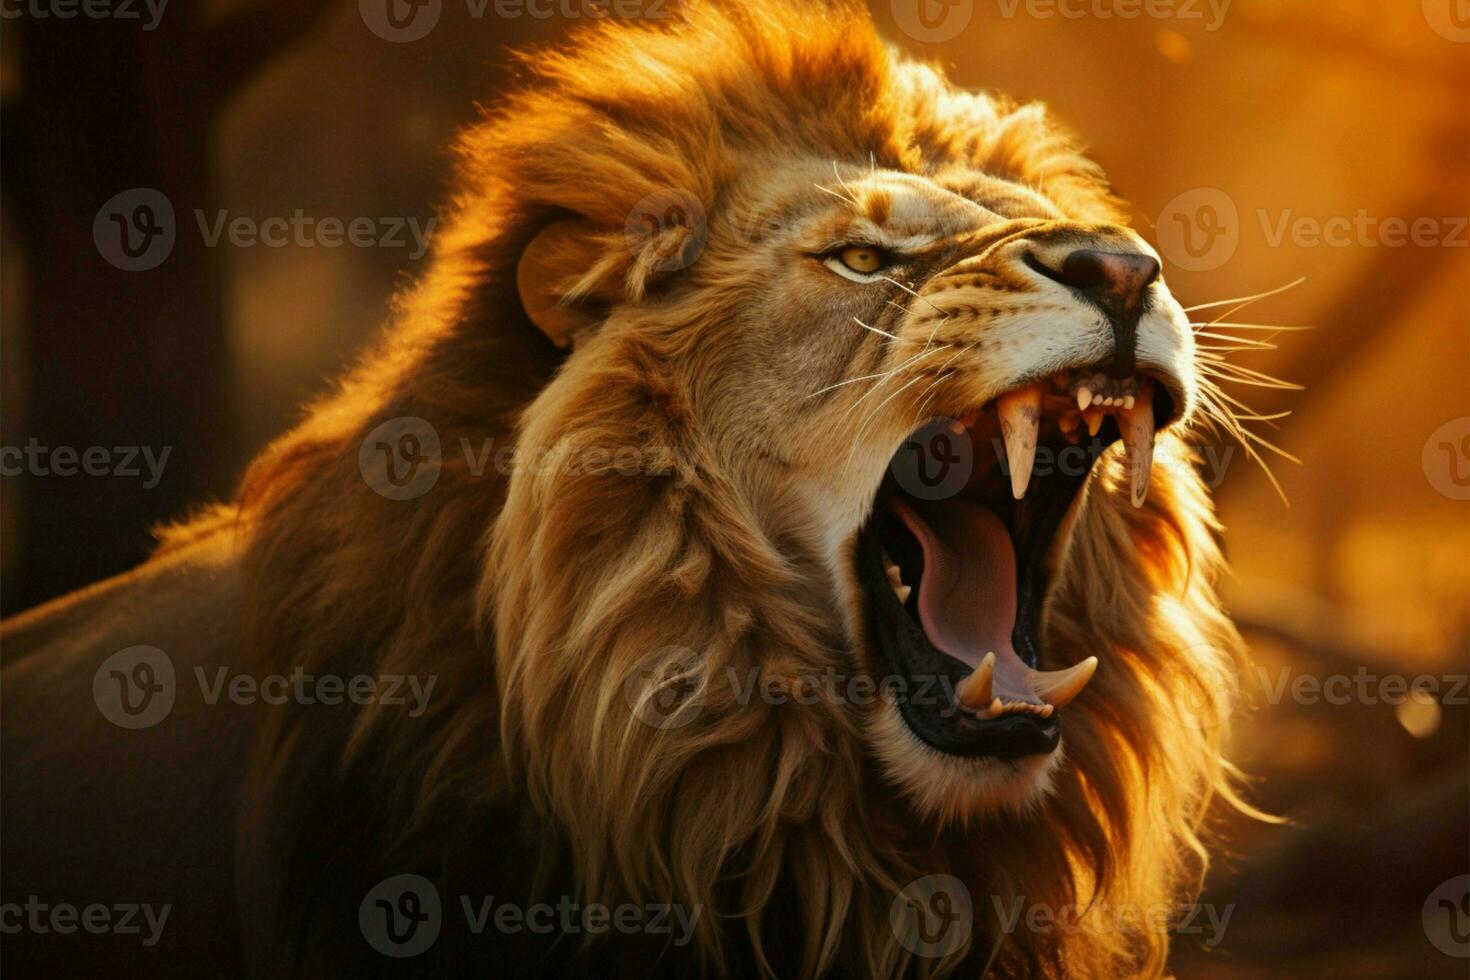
{"points": [[860, 263], [861, 258]]}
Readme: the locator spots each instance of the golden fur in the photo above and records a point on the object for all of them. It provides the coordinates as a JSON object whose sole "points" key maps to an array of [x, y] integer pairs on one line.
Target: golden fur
{"points": [[541, 596]]}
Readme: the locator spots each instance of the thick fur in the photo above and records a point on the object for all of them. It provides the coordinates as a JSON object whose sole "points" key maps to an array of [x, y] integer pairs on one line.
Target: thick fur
{"points": [[539, 597]]}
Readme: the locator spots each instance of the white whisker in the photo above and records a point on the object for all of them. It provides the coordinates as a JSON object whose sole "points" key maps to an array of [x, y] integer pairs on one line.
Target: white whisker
{"points": [[1246, 299]]}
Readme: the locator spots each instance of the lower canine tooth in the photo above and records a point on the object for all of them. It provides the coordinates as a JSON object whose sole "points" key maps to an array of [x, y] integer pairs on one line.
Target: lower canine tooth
{"points": [[902, 591], [1058, 687], [974, 691], [1020, 417]]}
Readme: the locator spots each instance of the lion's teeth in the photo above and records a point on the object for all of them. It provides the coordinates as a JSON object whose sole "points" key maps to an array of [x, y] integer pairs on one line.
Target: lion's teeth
{"points": [[1058, 687], [1093, 417], [1020, 417], [895, 579], [1084, 398], [974, 691], [1138, 442]]}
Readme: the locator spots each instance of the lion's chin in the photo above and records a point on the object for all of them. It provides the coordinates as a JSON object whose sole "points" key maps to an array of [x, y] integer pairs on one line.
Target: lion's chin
{"points": [[945, 789]]}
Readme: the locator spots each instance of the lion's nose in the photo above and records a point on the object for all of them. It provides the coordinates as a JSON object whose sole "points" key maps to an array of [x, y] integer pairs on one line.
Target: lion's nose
{"points": [[1114, 280]]}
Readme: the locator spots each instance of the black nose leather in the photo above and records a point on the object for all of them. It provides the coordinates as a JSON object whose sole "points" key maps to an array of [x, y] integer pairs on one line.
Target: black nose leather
{"points": [[1115, 280]]}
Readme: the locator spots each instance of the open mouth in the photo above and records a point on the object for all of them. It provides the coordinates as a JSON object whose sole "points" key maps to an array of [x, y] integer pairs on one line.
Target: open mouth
{"points": [[954, 560]]}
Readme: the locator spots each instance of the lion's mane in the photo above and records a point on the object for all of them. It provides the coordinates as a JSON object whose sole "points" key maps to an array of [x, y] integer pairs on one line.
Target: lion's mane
{"points": [[534, 598]]}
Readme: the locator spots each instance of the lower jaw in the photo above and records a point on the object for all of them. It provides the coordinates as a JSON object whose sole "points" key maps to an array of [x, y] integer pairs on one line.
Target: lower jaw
{"points": [[923, 680]]}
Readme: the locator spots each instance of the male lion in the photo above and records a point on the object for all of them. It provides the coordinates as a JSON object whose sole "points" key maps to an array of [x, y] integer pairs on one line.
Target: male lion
{"points": [[722, 641]]}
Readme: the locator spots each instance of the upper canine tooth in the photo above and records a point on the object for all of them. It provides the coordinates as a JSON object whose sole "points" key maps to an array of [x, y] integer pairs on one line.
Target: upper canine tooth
{"points": [[975, 691], [1138, 442], [1084, 398], [1058, 687], [895, 577], [1020, 417]]}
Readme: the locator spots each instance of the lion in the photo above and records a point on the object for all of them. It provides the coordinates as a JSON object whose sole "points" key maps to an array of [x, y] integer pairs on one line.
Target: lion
{"points": [[781, 474]]}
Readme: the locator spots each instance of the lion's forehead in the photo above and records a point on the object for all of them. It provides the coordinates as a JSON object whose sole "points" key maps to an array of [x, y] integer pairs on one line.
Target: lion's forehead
{"points": [[822, 203]]}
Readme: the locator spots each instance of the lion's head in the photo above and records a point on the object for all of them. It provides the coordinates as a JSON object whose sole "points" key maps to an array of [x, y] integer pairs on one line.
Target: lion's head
{"points": [[764, 634]]}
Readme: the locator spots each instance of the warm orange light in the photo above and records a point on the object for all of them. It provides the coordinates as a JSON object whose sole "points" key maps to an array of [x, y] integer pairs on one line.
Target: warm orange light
{"points": [[1174, 46], [1419, 713]]}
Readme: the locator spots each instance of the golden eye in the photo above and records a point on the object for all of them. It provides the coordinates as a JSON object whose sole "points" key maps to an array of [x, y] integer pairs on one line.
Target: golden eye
{"points": [[861, 258]]}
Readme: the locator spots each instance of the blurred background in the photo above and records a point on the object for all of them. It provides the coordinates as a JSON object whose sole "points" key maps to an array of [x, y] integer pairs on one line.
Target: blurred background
{"points": [[1262, 143]]}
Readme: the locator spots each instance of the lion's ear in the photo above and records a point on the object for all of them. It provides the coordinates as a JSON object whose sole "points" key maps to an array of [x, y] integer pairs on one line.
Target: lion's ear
{"points": [[551, 279]]}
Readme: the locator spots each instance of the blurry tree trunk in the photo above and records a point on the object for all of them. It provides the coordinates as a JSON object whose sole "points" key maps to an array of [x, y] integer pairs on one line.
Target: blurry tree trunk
{"points": [[120, 358]]}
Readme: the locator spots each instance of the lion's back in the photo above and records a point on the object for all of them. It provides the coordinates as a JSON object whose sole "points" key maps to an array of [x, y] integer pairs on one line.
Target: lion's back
{"points": [[115, 795]]}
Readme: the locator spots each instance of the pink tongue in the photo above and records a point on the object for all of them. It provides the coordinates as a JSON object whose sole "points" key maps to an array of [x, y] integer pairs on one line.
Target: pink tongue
{"points": [[967, 595]]}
